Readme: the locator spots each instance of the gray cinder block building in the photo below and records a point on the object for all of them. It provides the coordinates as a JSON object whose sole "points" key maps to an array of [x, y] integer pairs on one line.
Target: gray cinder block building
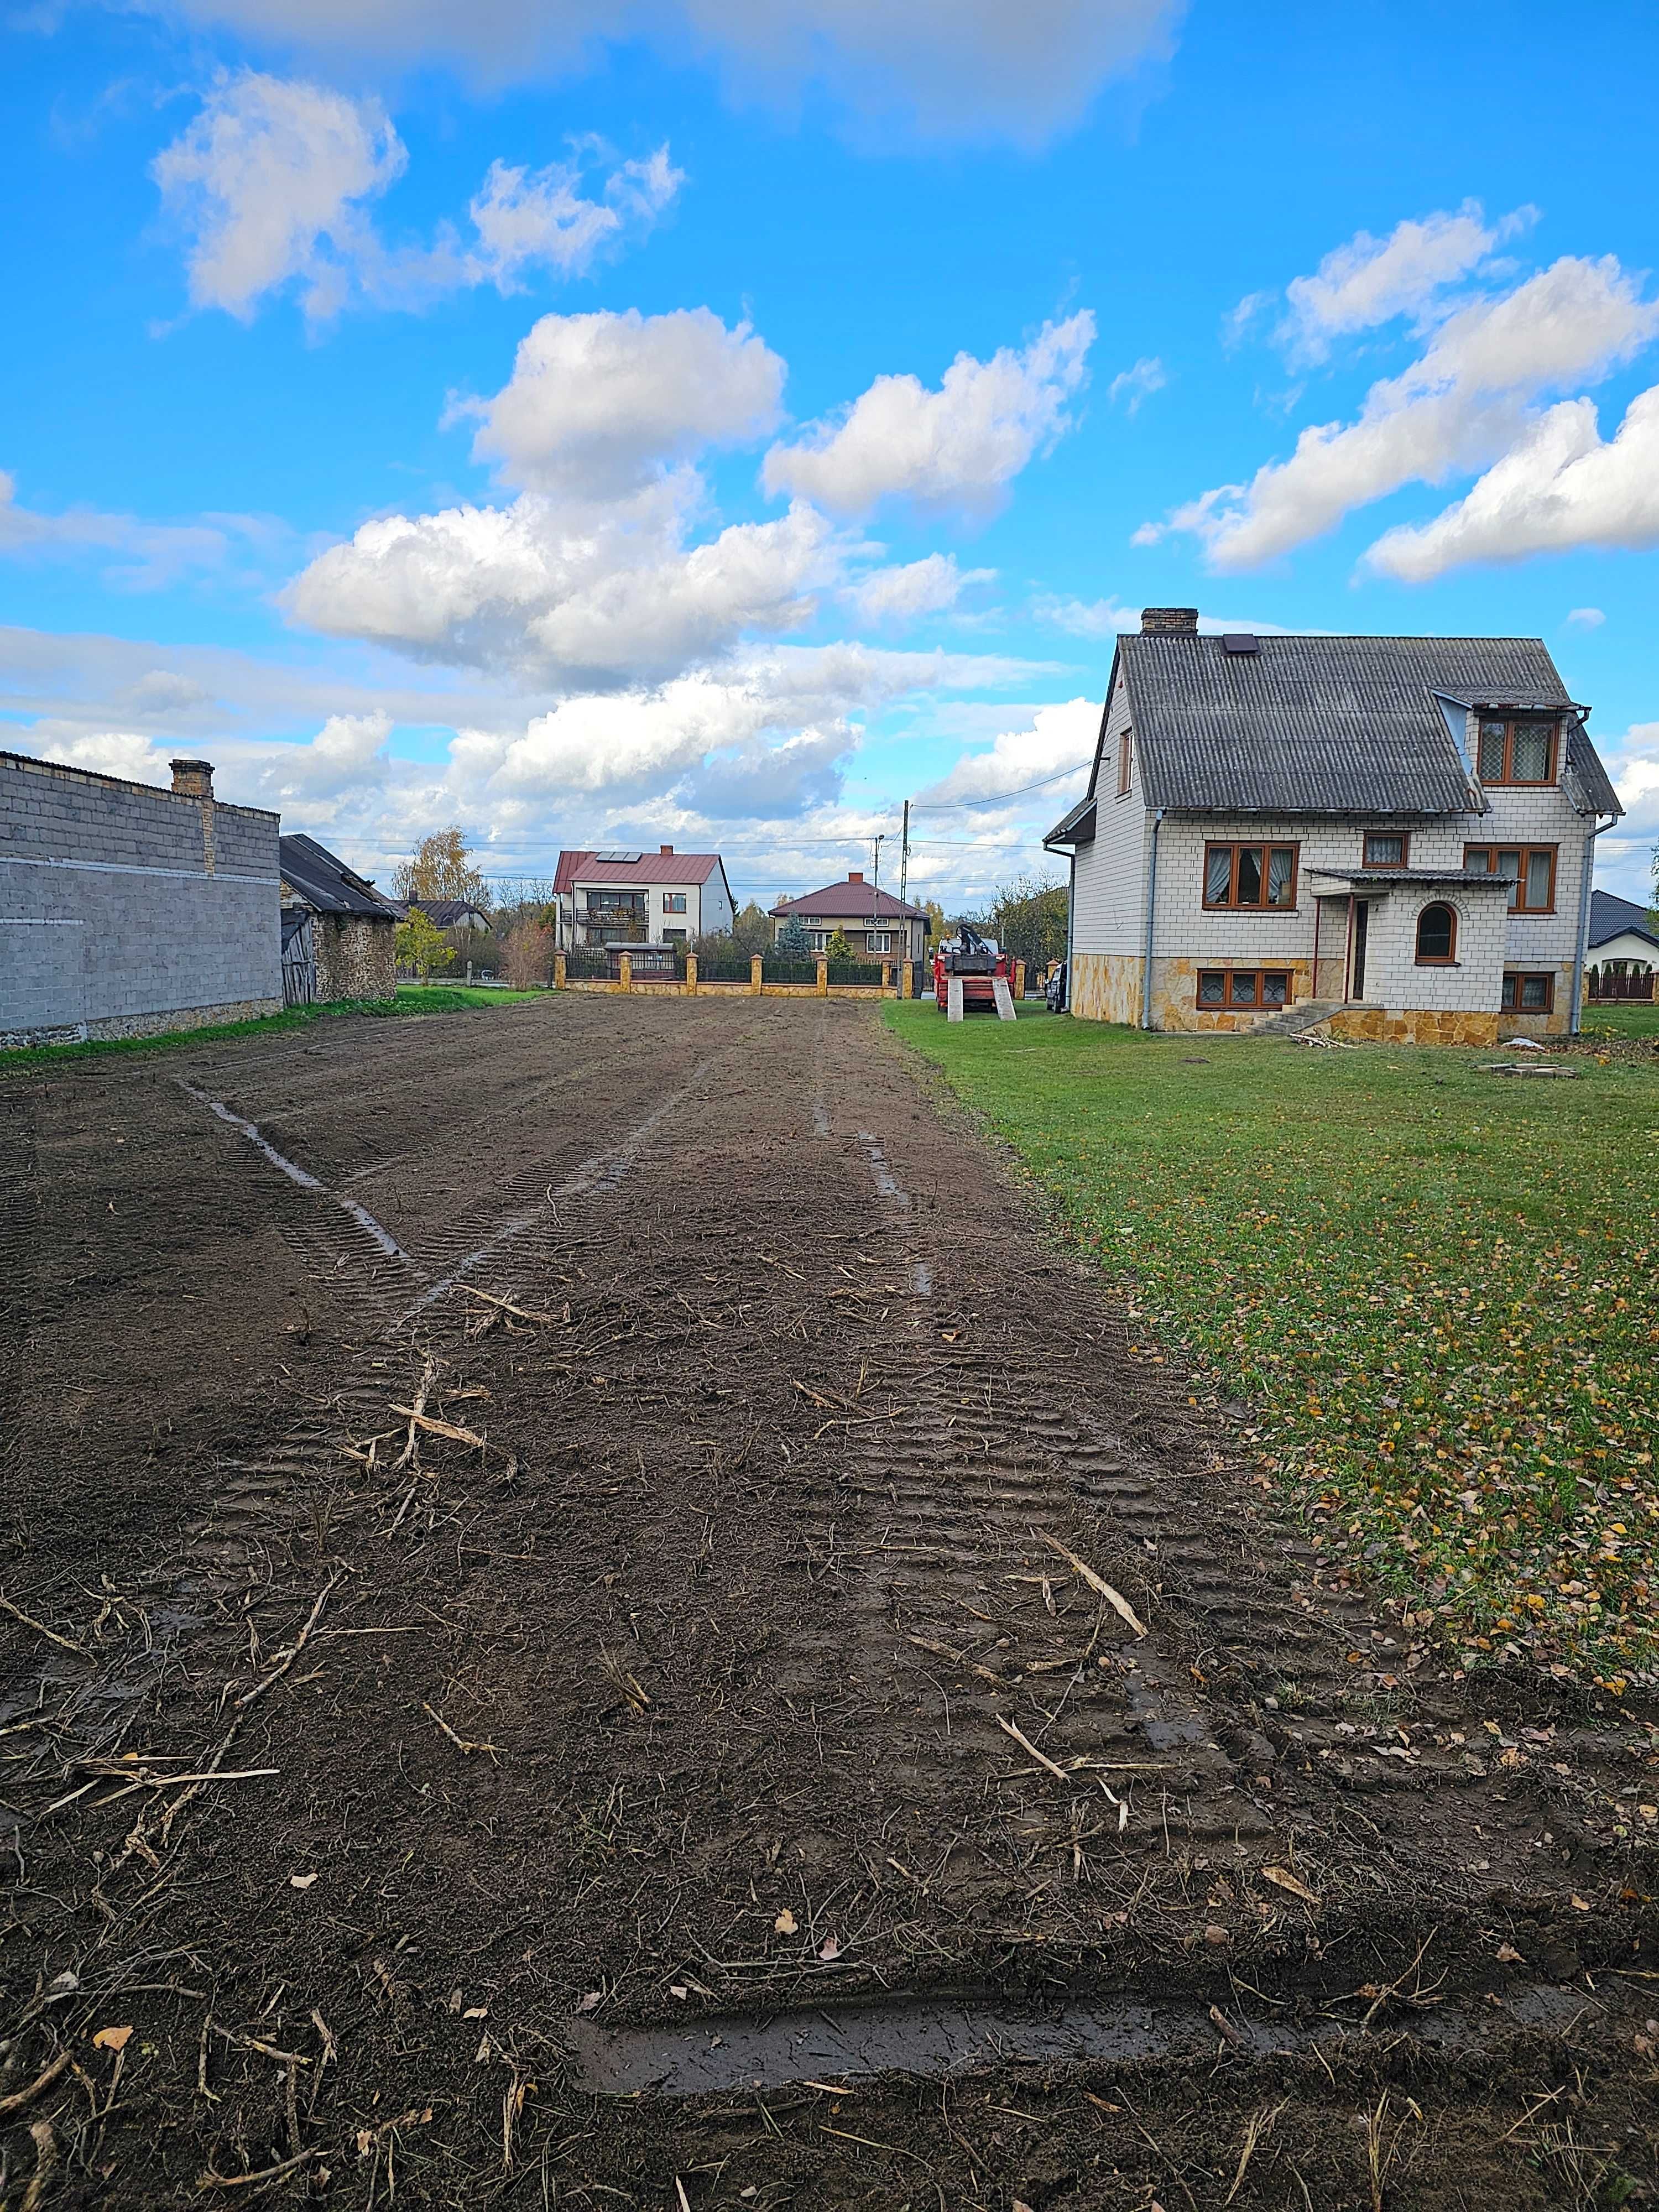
{"points": [[125, 909]]}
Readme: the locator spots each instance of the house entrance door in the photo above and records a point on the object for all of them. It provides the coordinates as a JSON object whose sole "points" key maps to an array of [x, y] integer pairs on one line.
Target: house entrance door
{"points": [[1361, 915]]}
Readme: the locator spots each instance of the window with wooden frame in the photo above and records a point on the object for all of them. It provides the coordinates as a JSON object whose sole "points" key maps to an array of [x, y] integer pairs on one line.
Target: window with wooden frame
{"points": [[1528, 994], [1251, 875], [1517, 748], [1243, 990], [1126, 764], [1437, 935], [673, 901], [1530, 871], [1385, 849]]}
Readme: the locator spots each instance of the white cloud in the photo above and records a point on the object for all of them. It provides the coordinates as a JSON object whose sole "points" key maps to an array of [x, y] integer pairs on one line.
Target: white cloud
{"points": [[523, 217], [147, 555], [610, 594], [597, 402], [1102, 618], [1561, 486], [1586, 618], [750, 759], [941, 69], [1457, 408], [958, 447], [1132, 386], [928, 586], [271, 184], [1370, 281], [1060, 737], [266, 181]]}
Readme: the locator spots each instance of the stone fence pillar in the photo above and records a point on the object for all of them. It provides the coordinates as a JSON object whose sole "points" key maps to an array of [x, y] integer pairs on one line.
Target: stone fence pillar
{"points": [[755, 974], [691, 975], [1019, 979], [625, 971], [823, 978], [886, 977], [558, 971], [908, 980]]}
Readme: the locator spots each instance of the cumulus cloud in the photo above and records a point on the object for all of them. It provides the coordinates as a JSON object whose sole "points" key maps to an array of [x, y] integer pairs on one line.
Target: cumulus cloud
{"points": [[271, 184], [1561, 486], [609, 595], [597, 403], [1060, 737], [958, 447], [1370, 281], [928, 586], [1131, 385], [1457, 408], [971, 70]]}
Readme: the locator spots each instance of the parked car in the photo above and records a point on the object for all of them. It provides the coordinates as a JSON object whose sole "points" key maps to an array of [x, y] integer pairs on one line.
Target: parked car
{"points": [[1053, 990]]}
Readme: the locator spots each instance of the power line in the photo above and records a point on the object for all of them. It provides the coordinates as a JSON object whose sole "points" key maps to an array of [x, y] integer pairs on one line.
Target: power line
{"points": [[956, 805]]}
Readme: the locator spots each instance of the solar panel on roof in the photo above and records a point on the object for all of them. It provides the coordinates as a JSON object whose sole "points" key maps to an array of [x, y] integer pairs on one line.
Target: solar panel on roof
{"points": [[1240, 641], [619, 856]]}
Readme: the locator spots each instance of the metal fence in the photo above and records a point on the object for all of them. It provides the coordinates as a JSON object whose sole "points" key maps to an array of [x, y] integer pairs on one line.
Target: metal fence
{"points": [[863, 974], [723, 968], [777, 968], [587, 963], [1633, 990]]}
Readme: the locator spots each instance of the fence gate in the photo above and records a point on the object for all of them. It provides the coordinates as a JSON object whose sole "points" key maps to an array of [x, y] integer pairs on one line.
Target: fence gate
{"points": [[299, 960]]}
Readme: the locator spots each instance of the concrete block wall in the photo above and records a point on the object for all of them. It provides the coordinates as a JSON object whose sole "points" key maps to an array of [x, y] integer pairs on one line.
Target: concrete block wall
{"points": [[124, 908]]}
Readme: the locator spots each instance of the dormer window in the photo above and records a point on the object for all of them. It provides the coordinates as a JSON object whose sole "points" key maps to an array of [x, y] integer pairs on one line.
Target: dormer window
{"points": [[1517, 749]]}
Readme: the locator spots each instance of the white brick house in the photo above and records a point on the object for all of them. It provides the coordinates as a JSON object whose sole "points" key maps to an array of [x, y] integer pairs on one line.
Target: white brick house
{"points": [[663, 898], [1397, 834]]}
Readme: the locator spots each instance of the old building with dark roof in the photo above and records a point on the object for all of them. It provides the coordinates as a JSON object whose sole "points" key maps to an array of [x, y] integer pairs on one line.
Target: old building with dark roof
{"points": [[1391, 834], [339, 935]]}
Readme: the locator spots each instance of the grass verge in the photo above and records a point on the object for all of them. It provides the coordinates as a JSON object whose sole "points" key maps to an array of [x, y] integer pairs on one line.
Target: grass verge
{"points": [[1436, 1287], [411, 999]]}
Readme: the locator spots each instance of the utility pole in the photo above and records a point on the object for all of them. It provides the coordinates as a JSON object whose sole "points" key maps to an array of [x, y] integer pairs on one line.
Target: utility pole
{"points": [[875, 889], [904, 857]]}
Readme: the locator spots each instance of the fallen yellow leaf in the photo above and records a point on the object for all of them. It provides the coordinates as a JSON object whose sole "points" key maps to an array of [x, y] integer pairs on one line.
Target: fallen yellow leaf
{"points": [[786, 1924], [113, 2039], [1282, 1878]]}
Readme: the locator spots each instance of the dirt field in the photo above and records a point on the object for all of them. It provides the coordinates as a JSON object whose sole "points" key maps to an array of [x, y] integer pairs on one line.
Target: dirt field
{"points": [[640, 1636]]}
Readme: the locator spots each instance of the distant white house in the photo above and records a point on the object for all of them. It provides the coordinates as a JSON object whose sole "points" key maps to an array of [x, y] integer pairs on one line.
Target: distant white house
{"points": [[1391, 834], [620, 897], [1622, 949]]}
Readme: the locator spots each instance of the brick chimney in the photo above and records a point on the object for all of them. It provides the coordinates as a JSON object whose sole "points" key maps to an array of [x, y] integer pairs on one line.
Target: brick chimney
{"points": [[855, 876], [665, 848], [1180, 621], [192, 779]]}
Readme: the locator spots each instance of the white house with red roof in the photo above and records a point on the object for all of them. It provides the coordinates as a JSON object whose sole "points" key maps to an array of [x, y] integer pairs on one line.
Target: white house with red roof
{"points": [[877, 926], [626, 897]]}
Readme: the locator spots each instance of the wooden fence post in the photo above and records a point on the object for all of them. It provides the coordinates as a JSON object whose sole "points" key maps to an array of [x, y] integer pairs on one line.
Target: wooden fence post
{"points": [[625, 971], [823, 978], [691, 975], [754, 976]]}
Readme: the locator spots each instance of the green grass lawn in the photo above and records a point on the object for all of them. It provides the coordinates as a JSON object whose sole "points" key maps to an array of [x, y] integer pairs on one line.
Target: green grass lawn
{"points": [[1621, 1020], [1435, 1286], [411, 999]]}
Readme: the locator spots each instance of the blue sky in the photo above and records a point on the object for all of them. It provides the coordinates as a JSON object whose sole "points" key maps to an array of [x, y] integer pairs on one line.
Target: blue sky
{"points": [[719, 431]]}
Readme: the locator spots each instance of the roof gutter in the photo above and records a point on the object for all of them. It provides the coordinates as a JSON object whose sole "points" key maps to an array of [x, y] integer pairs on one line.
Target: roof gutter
{"points": [[1152, 907], [1590, 836]]}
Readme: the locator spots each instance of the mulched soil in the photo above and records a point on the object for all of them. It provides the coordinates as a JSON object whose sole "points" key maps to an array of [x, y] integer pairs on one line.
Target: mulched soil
{"points": [[700, 1572]]}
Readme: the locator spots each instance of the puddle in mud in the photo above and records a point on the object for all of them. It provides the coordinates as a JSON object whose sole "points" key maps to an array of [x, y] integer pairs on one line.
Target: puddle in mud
{"points": [[951, 2036]]}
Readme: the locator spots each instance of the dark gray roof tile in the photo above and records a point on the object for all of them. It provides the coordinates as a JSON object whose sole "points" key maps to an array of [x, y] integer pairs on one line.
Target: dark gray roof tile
{"points": [[1328, 725]]}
